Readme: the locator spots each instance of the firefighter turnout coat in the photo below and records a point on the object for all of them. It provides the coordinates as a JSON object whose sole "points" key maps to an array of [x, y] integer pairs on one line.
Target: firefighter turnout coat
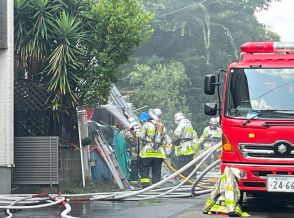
{"points": [[210, 137], [150, 148], [184, 138]]}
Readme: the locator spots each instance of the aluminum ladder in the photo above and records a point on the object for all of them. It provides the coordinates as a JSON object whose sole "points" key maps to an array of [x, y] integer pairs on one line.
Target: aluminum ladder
{"points": [[118, 100]]}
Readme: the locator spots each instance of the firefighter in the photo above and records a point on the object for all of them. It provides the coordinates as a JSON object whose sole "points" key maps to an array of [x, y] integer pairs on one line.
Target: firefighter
{"points": [[158, 114], [225, 195], [154, 139], [211, 135], [184, 138]]}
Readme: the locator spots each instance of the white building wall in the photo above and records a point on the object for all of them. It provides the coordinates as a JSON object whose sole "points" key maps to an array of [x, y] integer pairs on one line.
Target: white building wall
{"points": [[6, 101]]}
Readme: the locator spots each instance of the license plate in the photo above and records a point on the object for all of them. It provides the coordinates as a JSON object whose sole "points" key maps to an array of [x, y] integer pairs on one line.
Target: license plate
{"points": [[280, 183]]}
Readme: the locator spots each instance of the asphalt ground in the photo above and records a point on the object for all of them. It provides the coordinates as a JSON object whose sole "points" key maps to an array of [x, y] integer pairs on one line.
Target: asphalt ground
{"points": [[269, 206], [118, 209]]}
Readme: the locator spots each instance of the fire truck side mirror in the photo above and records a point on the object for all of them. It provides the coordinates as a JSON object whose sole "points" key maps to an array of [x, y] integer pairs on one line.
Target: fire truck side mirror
{"points": [[210, 109], [209, 84]]}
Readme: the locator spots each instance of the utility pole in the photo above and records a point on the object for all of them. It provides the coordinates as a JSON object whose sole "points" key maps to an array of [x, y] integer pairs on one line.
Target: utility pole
{"points": [[6, 94]]}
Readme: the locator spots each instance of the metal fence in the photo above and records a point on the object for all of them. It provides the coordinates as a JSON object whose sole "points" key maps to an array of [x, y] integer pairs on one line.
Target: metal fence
{"points": [[36, 160]]}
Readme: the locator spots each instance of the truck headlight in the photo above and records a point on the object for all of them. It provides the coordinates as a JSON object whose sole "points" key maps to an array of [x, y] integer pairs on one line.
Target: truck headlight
{"points": [[240, 174]]}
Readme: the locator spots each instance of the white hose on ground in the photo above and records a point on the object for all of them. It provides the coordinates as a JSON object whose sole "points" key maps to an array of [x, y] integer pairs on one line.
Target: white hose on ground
{"points": [[153, 192], [212, 165], [96, 198], [58, 201], [91, 194], [65, 204], [166, 195], [67, 210], [153, 196], [15, 202], [183, 182], [125, 194], [141, 194], [167, 188], [118, 195], [12, 195], [177, 191], [22, 202], [55, 200], [18, 202], [191, 163]]}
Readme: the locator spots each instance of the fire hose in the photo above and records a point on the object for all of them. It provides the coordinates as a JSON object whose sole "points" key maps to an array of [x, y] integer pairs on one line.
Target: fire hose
{"points": [[190, 181], [180, 190], [183, 182], [128, 194]]}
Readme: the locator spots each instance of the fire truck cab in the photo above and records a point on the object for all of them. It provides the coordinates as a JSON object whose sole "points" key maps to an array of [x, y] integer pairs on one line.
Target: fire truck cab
{"points": [[257, 116]]}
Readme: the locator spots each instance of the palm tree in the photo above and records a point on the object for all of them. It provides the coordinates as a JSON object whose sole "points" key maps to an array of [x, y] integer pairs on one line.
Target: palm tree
{"points": [[47, 36]]}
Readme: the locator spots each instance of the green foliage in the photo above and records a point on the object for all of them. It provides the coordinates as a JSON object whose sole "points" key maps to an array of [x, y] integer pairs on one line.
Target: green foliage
{"points": [[203, 35], [114, 28], [77, 47], [160, 86], [65, 59]]}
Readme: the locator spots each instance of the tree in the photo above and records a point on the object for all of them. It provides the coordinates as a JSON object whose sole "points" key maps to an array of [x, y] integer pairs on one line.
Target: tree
{"points": [[77, 47], [115, 28], [46, 39], [203, 35], [160, 86]]}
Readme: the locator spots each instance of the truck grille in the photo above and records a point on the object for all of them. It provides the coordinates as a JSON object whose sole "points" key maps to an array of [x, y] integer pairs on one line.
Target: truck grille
{"points": [[279, 149]]}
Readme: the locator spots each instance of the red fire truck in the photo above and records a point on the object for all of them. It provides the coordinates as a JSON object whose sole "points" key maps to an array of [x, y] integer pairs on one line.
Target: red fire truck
{"points": [[257, 116]]}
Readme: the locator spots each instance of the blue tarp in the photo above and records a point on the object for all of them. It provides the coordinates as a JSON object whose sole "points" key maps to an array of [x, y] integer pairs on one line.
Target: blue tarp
{"points": [[100, 172]]}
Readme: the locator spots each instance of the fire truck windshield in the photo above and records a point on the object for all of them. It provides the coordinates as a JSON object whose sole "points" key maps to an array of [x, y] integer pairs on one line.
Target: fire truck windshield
{"points": [[263, 92]]}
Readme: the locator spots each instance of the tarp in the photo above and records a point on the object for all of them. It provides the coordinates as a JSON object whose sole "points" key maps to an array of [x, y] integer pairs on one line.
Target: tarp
{"points": [[116, 139], [106, 130], [100, 171], [121, 152]]}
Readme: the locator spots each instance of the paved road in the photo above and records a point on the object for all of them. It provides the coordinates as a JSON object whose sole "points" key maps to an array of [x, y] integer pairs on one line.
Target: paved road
{"points": [[266, 207], [119, 209]]}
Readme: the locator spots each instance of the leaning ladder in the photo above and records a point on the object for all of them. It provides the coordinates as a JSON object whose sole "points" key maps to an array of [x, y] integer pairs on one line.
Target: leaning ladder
{"points": [[108, 156], [118, 100]]}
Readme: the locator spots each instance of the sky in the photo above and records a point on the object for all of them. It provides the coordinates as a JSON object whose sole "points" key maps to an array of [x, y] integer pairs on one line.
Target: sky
{"points": [[280, 19]]}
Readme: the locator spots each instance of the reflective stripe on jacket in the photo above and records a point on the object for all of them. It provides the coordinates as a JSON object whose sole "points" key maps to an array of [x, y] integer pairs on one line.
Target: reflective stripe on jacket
{"points": [[225, 195], [149, 149], [186, 136], [210, 137]]}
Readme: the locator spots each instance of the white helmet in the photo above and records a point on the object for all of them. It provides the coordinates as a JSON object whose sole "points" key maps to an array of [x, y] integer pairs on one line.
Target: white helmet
{"points": [[178, 117], [213, 121], [158, 112], [152, 114]]}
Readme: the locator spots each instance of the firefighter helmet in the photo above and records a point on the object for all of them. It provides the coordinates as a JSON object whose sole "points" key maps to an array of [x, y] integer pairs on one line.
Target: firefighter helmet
{"points": [[178, 117], [213, 121]]}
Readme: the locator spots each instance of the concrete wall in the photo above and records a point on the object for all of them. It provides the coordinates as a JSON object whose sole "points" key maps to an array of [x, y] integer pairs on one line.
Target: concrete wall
{"points": [[6, 94], [70, 175]]}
